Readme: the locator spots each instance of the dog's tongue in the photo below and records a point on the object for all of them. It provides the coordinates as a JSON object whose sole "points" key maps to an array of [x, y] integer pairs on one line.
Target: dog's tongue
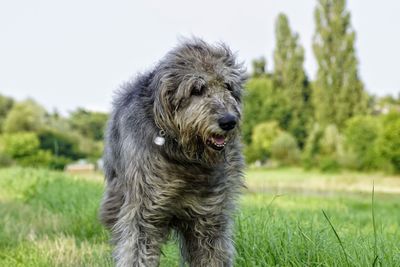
{"points": [[220, 140]]}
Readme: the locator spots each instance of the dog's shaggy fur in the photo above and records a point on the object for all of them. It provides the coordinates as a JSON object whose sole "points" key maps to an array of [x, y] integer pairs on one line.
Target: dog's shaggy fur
{"points": [[189, 184]]}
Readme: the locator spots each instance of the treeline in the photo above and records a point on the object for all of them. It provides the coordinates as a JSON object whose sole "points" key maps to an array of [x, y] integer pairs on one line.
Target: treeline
{"points": [[329, 123], [31, 136]]}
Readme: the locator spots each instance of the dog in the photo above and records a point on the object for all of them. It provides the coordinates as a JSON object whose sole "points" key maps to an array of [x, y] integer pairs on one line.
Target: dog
{"points": [[173, 159]]}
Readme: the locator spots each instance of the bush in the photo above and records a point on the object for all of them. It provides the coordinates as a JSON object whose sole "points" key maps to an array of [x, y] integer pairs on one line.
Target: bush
{"points": [[261, 141], [329, 164], [331, 142], [19, 145], [285, 150], [331, 149], [361, 134], [324, 149], [312, 147], [58, 163], [41, 158], [26, 116], [89, 124], [23, 147], [60, 144], [5, 160], [389, 141]]}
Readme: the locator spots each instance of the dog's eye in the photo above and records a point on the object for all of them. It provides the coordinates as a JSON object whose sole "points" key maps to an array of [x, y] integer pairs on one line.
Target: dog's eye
{"points": [[228, 87], [198, 90]]}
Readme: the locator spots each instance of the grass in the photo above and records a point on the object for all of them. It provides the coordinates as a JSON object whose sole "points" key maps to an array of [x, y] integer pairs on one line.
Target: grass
{"points": [[50, 219]]}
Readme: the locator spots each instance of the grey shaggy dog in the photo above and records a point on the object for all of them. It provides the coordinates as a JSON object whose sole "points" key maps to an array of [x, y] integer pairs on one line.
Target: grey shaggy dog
{"points": [[173, 158]]}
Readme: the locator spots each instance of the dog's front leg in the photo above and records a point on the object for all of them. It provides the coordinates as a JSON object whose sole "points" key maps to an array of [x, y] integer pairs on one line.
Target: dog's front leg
{"points": [[208, 243], [138, 239]]}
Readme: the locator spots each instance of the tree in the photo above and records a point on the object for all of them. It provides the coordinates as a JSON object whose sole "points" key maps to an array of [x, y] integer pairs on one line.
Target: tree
{"points": [[290, 81], [6, 104], [60, 143], [25, 116], [89, 124], [260, 105], [259, 67], [338, 93], [389, 141], [361, 134]]}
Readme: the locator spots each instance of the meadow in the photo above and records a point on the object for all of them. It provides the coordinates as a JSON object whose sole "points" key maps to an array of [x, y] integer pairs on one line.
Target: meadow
{"points": [[287, 217]]}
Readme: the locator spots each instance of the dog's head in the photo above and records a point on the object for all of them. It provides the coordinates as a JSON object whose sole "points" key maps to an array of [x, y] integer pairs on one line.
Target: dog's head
{"points": [[198, 96]]}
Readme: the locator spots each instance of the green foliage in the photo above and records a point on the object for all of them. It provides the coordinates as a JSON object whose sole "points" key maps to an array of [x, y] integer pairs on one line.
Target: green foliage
{"points": [[261, 141], [19, 145], [23, 147], [338, 91], [284, 149], [361, 134], [26, 116], [324, 149], [60, 144], [259, 67], [32, 137], [260, 104], [290, 82], [58, 162], [5, 160], [89, 124], [90, 148], [6, 104], [389, 142], [41, 158], [331, 142], [312, 147], [331, 149]]}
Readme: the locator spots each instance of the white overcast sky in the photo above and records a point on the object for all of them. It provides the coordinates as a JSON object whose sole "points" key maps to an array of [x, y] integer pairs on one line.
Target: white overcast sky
{"points": [[68, 54]]}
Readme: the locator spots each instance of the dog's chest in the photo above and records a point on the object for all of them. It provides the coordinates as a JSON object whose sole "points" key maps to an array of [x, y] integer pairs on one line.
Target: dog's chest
{"points": [[201, 198]]}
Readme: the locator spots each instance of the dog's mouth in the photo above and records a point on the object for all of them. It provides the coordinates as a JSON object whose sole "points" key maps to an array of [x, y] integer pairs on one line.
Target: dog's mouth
{"points": [[216, 141]]}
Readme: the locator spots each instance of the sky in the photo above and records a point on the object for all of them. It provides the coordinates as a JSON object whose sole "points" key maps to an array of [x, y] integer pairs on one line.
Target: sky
{"points": [[69, 54]]}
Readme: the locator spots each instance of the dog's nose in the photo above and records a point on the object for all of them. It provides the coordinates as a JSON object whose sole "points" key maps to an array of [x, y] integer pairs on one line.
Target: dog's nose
{"points": [[227, 122]]}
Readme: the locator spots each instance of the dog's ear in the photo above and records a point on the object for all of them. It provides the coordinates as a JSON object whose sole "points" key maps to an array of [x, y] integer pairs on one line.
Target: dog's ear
{"points": [[163, 106]]}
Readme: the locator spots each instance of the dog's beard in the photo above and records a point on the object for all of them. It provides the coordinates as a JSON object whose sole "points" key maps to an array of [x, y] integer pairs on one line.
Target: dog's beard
{"points": [[208, 147]]}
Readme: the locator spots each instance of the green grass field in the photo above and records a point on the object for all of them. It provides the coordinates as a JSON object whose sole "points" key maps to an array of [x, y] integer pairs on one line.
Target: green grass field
{"points": [[50, 219]]}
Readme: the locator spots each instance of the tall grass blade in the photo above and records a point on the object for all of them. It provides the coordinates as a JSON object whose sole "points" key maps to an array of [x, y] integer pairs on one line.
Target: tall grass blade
{"points": [[338, 238], [376, 257]]}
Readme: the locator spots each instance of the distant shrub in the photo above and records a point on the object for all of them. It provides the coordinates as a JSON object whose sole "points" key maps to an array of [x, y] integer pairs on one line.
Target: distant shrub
{"points": [[25, 116], [261, 141], [19, 145], [88, 123], [284, 149], [60, 144], [5, 160], [23, 147], [329, 164], [361, 134], [331, 142], [58, 163], [324, 148], [41, 158], [389, 141], [331, 149], [312, 147]]}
